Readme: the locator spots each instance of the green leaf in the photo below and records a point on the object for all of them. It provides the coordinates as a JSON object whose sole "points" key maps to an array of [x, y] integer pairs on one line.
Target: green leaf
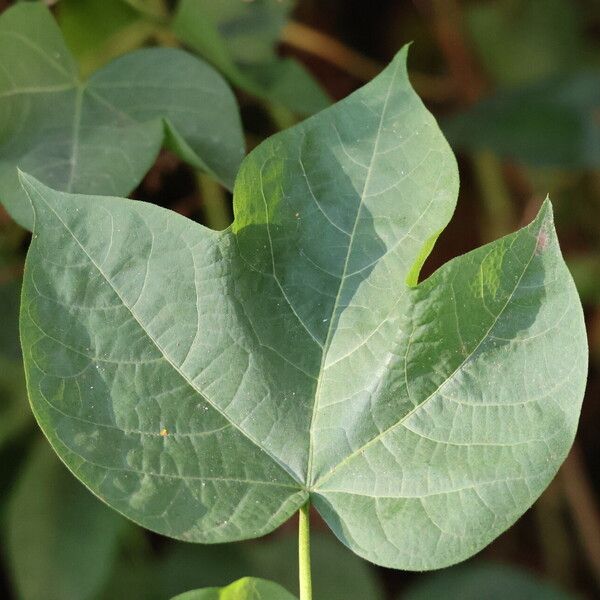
{"points": [[239, 39], [550, 33], [97, 31], [498, 581], [9, 332], [62, 541], [549, 123], [15, 415], [101, 136], [207, 384], [244, 589]]}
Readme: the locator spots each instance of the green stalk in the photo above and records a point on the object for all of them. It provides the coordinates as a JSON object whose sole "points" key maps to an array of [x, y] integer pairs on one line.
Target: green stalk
{"points": [[499, 217], [215, 205], [304, 553], [281, 117]]}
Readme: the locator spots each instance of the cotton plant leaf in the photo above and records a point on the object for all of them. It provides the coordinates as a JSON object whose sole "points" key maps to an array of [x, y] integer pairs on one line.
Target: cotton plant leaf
{"points": [[549, 123], [239, 39], [101, 136], [61, 541], [248, 588], [207, 384]]}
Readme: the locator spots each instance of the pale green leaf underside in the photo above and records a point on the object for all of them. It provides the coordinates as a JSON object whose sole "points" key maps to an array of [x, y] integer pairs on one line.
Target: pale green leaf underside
{"points": [[102, 136], [248, 588], [240, 39], [207, 384]]}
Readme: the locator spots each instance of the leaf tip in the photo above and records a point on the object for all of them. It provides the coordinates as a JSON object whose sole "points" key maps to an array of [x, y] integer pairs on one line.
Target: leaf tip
{"points": [[545, 216], [28, 182], [402, 55]]}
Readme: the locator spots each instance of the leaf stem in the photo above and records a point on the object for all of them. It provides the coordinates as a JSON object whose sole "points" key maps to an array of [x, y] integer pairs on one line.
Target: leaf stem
{"points": [[304, 552], [214, 203], [499, 218]]}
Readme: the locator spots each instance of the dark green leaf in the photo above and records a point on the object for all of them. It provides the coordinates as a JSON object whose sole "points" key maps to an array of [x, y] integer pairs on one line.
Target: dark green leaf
{"points": [[206, 384], [101, 136], [15, 414], [239, 38], [61, 540], [549, 123], [244, 589], [494, 582], [97, 31], [521, 41]]}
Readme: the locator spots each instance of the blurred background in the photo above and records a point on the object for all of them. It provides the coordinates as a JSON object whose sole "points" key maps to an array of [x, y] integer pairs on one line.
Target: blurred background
{"points": [[515, 85]]}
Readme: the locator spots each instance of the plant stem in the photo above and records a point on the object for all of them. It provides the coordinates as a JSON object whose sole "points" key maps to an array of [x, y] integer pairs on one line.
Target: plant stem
{"points": [[214, 203], [282, 117], [304, 553], [499, 218]]}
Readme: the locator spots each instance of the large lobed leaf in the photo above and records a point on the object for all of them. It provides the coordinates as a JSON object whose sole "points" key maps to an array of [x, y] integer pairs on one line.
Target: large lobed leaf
{"points": [[207, 384], [101, 136]]}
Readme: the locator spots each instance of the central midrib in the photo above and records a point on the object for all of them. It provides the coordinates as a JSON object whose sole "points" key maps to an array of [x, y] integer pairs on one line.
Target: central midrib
{"points": [[330, 329]]}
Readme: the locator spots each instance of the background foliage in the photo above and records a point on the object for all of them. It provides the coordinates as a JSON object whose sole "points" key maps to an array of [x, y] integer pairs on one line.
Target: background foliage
{"points": [[516, 86]]}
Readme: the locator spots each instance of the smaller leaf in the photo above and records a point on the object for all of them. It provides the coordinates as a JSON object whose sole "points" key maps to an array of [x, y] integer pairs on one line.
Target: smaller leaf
{"points": [[102, 135], [248, 588], [61, 540], [97, 31], [239, 39]]}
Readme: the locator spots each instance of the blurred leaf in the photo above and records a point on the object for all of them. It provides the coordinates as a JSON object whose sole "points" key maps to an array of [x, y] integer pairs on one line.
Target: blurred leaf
{"points": [[178, 567], [62, 541], [97, 31], [477, 581], [244, 589], [15, 413], [151, 8], [240, 38], [10, 348], [586, 273], [103, 135], [555, 122], [521, 40]]}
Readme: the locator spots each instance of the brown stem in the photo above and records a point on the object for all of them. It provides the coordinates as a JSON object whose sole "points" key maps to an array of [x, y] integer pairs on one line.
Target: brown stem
{"points": [[307, 39]]}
